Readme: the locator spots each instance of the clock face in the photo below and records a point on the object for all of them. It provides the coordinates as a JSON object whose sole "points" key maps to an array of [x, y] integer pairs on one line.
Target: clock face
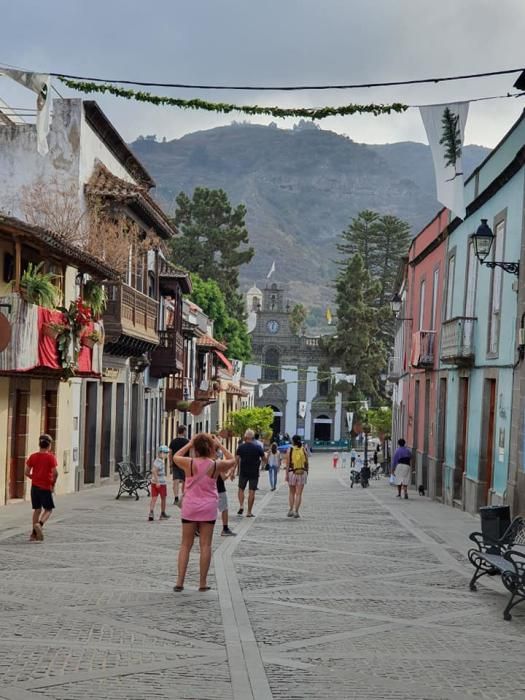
{"points": [[272, 326]]}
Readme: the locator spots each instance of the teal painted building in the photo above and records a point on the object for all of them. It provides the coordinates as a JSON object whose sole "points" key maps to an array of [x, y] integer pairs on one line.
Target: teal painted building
{"points": [[479, 354]]}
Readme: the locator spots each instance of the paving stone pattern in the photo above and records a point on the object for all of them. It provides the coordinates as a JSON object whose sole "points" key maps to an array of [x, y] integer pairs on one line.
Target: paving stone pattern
{"points": [[365, 596]]}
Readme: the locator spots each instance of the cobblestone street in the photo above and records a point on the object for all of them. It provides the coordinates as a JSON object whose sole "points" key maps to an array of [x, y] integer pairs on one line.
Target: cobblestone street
{"points": [[365, 596]]}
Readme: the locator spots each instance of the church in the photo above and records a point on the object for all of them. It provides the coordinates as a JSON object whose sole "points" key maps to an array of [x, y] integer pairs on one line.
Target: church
{"points": [[292, 372]]}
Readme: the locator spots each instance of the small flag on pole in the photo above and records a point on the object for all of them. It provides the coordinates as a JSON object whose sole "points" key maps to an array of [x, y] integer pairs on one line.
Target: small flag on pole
{"points": [[328, 316], [272, 270]]}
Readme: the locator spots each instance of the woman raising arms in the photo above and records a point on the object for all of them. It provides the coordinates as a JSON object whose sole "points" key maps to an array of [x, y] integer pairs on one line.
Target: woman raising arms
{"points": [[199, 505]]}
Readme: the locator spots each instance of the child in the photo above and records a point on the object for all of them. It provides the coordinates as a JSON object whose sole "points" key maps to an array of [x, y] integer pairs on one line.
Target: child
{"points": [[158, 483], [41, 468], [335, 459]]}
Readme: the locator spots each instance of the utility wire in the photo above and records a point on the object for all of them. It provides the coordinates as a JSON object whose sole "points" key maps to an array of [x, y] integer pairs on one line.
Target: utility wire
{"points": [[289, 88]]}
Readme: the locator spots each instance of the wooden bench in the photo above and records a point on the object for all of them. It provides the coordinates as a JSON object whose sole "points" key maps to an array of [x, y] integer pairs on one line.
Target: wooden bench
{"points": [[502, 558], [132, 480]]}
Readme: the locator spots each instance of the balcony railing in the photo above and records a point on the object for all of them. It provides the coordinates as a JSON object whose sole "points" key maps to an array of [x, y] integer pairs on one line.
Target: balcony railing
{"points": [[423, 349], [130, 313], [168, 356], [457, 341], [207, 391], [394, 369], [174, 394]]}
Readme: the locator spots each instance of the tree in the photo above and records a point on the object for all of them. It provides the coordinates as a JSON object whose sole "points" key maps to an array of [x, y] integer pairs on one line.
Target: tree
{"points": [[357, 346], [451, 139], [231, 331], [381, 420], [214, 242], [360, 237], [297, 318], [257, 419]]}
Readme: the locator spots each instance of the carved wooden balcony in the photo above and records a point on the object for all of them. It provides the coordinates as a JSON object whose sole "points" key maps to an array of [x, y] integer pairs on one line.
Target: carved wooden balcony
{"points": [[168, 357], [130, 320]]}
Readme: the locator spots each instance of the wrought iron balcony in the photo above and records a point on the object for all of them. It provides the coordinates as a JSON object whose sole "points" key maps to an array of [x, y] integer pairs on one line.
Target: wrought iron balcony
{"points": [[422, 355], [168, 357], [457, 341], [394, 369]]}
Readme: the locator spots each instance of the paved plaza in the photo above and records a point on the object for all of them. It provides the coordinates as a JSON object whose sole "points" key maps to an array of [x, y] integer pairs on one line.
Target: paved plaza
{"points": [[365, 596]]}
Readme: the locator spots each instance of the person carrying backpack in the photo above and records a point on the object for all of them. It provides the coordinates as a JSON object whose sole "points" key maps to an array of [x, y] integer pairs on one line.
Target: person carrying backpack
{"points": [[296, 475]]}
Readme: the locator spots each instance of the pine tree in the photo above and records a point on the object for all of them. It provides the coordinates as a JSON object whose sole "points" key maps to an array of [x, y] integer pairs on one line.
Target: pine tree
{"points": [[360, 237], [451, 138], [214, 241]]}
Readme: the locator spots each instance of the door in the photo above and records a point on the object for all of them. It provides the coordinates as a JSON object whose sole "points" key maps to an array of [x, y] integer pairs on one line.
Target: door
{"points": [[461, 444], [19, 422], [90, 432], [119, 424], [441, 436], [51, 413], [415, 438], [490, 399], [426, 435], [105, 438]]}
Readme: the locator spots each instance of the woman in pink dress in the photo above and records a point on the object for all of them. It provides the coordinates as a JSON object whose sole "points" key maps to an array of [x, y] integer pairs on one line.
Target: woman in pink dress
{"points": [[199, 505]]}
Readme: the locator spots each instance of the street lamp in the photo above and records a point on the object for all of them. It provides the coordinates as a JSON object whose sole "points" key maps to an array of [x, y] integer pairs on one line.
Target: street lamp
{"points": [[395, 305], [366, 430], [482, 241]]}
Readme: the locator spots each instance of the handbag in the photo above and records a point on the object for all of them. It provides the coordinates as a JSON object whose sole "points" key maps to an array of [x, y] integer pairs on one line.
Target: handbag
{"points": [[392, 480]]}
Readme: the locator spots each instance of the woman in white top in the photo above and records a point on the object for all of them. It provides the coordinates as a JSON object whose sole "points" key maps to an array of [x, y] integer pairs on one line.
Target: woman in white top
{"points": [[274, 462]]}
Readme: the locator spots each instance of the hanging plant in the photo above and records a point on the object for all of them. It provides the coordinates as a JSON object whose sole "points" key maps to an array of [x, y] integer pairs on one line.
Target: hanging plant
{"points": [[96, 297], [89, 340], [38, 287], [183, 405]]}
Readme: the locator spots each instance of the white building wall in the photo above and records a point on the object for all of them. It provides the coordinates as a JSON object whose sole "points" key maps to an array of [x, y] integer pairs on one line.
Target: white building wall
{"points": [[311, 391], [290, 374]]}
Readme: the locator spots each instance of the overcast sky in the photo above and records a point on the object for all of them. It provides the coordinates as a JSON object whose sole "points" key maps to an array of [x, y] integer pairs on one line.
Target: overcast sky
{"points": [[275, 42]]}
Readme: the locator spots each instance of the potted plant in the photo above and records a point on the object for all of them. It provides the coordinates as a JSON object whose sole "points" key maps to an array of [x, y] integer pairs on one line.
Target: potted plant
{"points": [[90, 339], [37, 287], [54, 329], [96, 297], [183, 405]]}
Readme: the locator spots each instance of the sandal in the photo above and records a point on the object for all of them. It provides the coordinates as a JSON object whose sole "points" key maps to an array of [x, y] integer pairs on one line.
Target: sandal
{"points": [[178, 589], [204, 588]]}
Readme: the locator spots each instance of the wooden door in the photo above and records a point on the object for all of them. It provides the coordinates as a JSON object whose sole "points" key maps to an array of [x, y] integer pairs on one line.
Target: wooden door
{"points": [[19, 423], [461, 444]]}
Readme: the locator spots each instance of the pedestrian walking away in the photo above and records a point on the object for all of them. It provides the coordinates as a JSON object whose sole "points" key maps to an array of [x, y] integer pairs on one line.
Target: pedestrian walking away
{"points": [[296, 475], [177, 473], [401, 467], [353, 457], [223, 507], [200, 502], [41, 468], [158, 484], [274, 463], [248, 465], [335, 459]]}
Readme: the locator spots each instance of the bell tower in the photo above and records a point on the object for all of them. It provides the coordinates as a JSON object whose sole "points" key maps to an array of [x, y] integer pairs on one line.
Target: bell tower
{"points": [[273, 298]]}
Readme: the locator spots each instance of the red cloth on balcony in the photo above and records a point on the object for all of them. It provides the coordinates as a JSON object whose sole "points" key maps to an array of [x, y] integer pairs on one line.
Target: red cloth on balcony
{"points": [[47, 347], [85, 356]]}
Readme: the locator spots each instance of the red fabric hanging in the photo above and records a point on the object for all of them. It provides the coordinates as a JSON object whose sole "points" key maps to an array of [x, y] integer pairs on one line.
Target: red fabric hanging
{"points": [[47, 347], [85, 357]]}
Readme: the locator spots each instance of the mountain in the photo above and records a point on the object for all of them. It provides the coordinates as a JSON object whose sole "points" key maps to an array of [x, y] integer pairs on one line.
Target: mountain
{"points": [[301, 187]]}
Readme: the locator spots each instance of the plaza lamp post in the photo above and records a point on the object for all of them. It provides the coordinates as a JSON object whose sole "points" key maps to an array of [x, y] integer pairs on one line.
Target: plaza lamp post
{"points": [[366, 431], [482, 241]]}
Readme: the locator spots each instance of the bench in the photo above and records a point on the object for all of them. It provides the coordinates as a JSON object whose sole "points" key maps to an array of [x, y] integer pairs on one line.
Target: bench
{"points": [[501, 558], [132, 480]]}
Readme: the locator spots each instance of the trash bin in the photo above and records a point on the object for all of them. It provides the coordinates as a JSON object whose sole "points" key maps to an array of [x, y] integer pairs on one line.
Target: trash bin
{"points": [[494, 521]]}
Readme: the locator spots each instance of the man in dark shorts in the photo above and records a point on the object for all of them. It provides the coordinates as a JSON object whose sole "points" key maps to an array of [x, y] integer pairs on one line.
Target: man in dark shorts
{"points": [[41, 468], [178, 474], [248, 463]]}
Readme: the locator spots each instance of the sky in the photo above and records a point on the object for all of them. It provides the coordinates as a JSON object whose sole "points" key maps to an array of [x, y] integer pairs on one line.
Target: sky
{"points": [[275, 42]]}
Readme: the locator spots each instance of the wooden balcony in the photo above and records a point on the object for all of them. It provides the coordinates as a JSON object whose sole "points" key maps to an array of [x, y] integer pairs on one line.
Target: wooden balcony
{"points": [[168, 356], [174, 394], [210, 395], [457, 341], [130, 320], [422, 355]]}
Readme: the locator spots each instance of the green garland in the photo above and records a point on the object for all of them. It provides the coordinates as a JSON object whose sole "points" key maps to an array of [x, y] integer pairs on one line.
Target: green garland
{"points": [[226, 108]]}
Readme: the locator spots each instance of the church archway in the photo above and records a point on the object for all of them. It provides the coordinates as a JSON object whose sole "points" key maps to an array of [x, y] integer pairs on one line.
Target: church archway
{"points": [[323, 428], [277, 422]]}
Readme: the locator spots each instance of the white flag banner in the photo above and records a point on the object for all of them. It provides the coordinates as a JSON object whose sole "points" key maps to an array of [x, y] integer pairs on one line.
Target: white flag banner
{"points": [[445, 127], [41, 84], [237, 366], [272, 270], [349, 420], [262, 389], [302, 409]]}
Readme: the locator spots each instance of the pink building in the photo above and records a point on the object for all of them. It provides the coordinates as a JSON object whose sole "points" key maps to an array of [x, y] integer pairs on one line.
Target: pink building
{"points": [[420, 396]]}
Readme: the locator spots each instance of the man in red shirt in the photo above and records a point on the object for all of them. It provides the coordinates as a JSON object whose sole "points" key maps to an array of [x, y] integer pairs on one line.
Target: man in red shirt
{"points": [[41, 468]]}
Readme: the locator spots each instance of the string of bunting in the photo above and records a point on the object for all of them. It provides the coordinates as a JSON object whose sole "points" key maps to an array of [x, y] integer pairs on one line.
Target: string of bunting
{"points": [[226, 108]]}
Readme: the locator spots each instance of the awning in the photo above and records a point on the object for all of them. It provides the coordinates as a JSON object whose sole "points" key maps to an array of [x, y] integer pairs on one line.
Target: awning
{"points": [[224, 360]]}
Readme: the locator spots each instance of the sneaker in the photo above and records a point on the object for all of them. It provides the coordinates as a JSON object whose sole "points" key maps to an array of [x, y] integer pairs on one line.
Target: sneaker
{"points": [[39, 532], [32, 536], [406, 495], [228, 533], [296, 515], [290, 514], [150, 517], [176, 501], [240, 511], [164, 516]]}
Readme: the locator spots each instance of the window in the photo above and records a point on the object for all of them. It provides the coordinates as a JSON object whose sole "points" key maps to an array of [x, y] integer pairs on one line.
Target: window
{"points": [[421, 305], [450, 285], [324, 387], [435, 288], [495, 305], [472, 278], [271, 365]]}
